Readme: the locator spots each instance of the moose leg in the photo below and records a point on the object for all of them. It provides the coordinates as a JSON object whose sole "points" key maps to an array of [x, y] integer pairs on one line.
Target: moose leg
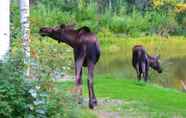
{"points": [[139, 76], [92, 97], [78, 76], [144, 71], [138, 72]]}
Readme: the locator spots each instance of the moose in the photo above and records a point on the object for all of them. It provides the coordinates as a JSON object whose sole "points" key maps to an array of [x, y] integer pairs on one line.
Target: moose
{"points": [[141, 62], [86, 52]]}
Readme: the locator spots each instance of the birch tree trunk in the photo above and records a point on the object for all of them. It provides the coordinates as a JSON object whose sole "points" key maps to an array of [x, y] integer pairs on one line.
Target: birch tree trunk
{"points": [[25, 29], [4, 27]]}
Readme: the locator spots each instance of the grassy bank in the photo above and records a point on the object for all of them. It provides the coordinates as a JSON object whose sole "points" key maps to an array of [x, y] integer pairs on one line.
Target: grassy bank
{"points": [[140, 99]]}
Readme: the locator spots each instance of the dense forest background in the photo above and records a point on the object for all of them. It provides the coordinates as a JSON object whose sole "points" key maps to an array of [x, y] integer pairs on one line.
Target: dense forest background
{"points": [[129, 17]]}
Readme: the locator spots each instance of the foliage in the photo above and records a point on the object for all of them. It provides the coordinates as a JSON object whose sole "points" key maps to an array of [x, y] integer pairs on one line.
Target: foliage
{"points": [[32, 98], [62, 105], [150, 22], [50, 59], [181, 7], [19, 97], [181, 16], [160, 16], [14, 91], [158, 3]]}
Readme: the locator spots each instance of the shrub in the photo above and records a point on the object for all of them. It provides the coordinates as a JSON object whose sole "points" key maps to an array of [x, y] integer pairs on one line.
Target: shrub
{"points": [[31, 98], [181, 18], [14, 94], [162, 22], [62, 105]]}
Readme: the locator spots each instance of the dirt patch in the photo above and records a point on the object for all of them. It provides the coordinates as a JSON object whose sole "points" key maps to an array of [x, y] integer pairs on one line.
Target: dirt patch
{"points": [[107, 108]]}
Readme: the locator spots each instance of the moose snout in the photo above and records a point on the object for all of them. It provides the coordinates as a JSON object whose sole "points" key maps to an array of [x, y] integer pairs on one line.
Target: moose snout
{"points": [[42, 32], [160, 71]]}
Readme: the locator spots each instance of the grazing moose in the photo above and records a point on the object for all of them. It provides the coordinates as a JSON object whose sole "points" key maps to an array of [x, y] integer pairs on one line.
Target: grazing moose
{"points": [[86, 53], [142, 61]]}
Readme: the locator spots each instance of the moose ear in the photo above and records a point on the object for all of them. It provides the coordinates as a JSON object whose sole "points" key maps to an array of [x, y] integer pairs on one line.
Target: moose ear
{"points": [[62, 26], [84, 28]]}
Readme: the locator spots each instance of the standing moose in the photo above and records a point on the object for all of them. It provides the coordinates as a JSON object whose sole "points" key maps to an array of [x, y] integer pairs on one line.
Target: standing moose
{"points": [[142, 61], [86, 53]]}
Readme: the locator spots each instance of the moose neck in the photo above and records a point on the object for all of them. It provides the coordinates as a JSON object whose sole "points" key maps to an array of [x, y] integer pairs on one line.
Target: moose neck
{"points": [[150, 61], [67, 37]]}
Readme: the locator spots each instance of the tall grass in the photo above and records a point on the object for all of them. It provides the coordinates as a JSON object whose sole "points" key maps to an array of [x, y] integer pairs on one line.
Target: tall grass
{"points": [[154, 44]]}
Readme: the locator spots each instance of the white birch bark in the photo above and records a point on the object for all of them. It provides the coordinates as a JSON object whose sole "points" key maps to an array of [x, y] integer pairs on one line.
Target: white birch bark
{"points": [[4, 27], [25, 29]]}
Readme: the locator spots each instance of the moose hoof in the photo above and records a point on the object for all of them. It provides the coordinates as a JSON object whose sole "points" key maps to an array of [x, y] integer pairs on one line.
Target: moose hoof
{"points": [[92, 104], [95, 102]]}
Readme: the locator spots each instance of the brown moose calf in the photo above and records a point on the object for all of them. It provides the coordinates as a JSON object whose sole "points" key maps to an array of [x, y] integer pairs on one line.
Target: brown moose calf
{"points": [[141, 62]]}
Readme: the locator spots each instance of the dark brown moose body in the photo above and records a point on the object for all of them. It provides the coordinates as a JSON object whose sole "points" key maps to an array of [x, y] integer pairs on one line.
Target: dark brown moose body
{"points": [[86, 52], [141, 61]]}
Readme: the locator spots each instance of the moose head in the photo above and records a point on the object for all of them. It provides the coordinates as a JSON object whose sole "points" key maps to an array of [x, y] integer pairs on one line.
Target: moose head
{"points": [[56, 33], [154, 62]]}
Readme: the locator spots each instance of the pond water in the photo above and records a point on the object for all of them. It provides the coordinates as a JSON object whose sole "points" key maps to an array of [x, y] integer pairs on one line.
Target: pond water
{"points": [[118, 64]]}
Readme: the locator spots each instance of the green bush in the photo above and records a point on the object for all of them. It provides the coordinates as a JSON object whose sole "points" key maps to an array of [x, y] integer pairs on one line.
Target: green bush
{"points": [[162, 22], [14, 95], [21, 97], [62, 105], [181, 19]]}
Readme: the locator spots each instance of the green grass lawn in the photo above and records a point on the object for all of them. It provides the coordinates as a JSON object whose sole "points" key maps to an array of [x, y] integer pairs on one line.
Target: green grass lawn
{"points": [[140, 98]]}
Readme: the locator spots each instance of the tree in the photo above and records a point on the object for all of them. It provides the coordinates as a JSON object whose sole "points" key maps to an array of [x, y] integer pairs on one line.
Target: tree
{"points": [[25, 28], [4, 27]]}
